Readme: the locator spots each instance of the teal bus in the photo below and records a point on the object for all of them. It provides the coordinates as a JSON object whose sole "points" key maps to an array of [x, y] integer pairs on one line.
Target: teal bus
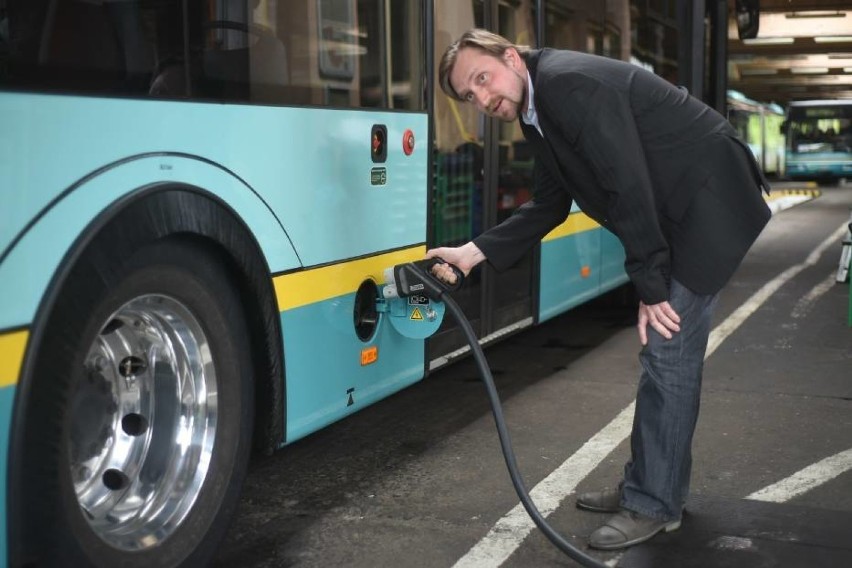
{"points": [[819, 139], [758, 124], [198, 199]]}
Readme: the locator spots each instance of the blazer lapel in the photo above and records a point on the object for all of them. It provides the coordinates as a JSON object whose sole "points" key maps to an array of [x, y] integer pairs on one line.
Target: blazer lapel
{"points": [[544, 149]]}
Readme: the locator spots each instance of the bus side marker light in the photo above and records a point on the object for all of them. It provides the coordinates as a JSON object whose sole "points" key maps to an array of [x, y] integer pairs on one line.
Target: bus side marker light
{"points": [[585, 272], [369, 355]]}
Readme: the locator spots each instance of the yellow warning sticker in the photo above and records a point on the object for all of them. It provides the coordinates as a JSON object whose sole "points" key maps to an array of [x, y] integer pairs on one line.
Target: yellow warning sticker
{"points": [[416, 315]]}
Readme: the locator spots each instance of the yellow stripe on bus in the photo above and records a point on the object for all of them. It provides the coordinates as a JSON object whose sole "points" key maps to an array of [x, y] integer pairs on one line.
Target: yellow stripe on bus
{"points": [[317, 284], [575, 223], [12, 347]]}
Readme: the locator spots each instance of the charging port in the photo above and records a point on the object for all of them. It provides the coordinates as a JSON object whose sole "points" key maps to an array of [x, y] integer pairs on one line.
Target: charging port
{"points": [[365, 314]]}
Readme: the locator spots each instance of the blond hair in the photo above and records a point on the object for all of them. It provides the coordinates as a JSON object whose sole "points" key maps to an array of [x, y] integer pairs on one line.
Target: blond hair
{"points": [[487, 42]]}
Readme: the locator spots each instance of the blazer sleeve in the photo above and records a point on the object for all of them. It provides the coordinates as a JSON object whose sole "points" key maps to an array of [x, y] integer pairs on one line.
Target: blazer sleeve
{"points": [[597, 119], [505, 244]]}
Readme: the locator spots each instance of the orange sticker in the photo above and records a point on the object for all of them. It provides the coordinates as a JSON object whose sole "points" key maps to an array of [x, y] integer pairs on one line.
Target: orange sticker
{"points": [[369, 355]]}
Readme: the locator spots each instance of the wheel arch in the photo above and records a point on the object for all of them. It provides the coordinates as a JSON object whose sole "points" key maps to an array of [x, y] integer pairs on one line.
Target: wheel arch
{"points": [[158, 211]]}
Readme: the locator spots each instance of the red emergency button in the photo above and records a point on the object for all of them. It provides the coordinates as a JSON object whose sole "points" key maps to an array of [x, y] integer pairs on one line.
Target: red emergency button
{"points": [[408, 142]]}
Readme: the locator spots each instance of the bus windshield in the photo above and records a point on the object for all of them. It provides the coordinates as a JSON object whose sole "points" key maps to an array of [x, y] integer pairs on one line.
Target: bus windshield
{"points": [[822, 128], [819, 139]]}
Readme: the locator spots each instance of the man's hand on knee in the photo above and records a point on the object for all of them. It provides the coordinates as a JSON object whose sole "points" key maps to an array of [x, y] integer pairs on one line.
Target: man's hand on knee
{"points": [[661, 317]]}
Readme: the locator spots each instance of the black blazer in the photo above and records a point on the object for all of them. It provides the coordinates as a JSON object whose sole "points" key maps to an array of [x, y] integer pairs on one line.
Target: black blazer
{"points": [[660, 169]]}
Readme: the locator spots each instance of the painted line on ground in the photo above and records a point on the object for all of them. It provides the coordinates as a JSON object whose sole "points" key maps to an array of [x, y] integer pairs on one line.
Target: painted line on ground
{"points": [[509, 532], [806, 302], [806, 479], [736, 319], [797, 484]]}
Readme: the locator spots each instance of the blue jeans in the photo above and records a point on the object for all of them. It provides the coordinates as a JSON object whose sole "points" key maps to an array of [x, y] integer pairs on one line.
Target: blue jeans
{"points": [[656, 479]]}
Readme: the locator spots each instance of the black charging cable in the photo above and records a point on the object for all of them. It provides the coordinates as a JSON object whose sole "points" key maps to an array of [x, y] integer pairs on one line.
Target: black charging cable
{"points": [[416, 277]]}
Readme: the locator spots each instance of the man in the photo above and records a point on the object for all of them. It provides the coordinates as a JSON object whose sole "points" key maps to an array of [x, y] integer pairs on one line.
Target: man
{"points": [[667, 175]]}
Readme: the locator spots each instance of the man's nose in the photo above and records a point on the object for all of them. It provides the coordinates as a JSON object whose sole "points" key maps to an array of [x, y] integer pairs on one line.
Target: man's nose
{"points": [[481, 98]]}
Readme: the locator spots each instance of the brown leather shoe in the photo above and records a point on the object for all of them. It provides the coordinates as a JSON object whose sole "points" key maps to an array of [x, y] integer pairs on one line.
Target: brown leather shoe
{"points": [[627, 528], [606, 501]]}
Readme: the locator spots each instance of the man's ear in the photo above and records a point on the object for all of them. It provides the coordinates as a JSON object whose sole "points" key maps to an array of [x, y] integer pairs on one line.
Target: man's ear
{"points": [[511, 57]]}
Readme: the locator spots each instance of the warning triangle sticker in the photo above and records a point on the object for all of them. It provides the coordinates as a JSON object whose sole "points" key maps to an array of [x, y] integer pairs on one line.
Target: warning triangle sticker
{"points": [[416, 315]]}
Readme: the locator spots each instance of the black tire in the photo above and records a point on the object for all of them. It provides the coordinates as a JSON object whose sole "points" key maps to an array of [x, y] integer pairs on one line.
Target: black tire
{"points": [[187, 301]]}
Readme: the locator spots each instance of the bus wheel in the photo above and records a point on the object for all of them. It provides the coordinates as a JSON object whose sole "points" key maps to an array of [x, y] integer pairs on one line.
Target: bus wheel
{"points": [[156, 424]]}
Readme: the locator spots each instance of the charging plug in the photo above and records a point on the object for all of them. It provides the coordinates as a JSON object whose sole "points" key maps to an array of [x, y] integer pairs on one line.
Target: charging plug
{"points": [[416, 278]]}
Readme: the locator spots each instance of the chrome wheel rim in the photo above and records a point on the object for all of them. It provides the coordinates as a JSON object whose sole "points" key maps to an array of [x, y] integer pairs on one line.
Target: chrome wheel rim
{"points": [[143, 422]]}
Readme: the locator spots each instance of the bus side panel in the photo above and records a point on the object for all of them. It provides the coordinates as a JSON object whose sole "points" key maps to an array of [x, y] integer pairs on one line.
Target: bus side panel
{"points": [[12, 347], [326, 376], [7, 399], [314, 167], [326, 380], [570, 265], [27, 271], [339, 202]]}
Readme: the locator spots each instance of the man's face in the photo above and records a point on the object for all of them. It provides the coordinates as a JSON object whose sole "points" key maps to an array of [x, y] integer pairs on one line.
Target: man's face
{"points": [[497, 86]]}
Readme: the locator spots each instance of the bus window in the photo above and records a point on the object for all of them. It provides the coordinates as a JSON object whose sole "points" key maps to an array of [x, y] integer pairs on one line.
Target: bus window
{"points": [[77, 46], [309, 52], [344, 53], [407, 57], [4, 39]]}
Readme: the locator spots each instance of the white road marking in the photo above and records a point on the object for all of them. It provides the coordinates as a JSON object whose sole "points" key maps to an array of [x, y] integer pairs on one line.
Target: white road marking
{"points": [[803, 481], [511, 530], [735, 320], [806, 302]]}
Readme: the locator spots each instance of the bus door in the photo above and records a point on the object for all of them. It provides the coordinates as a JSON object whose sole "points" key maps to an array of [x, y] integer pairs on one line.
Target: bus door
{"points": [[510, 293], [459, 164], [483, 172]]}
